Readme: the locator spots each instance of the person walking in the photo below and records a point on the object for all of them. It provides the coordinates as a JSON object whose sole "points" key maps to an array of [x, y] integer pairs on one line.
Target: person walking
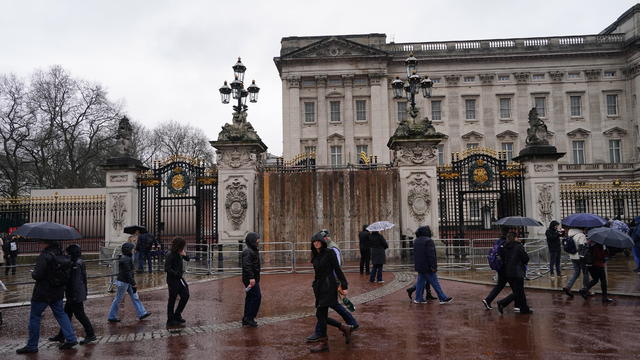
{"points": [[365, 250], [76, 292], [48, 292], [174, 267], [126, 283], [579, 238], [325, 288], [501, 277], [143, 250], [597, 271], [553, 234], [634, 232], [426, 265], [515, 259], [251, 279], [378, 246], [10, 248]]}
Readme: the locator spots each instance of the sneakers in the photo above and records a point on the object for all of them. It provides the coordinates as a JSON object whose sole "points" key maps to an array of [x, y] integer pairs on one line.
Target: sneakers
{"points": [[607, 300], [249, 322], [57, 338], [68, 345], [314, 338], [88, 340], [568, 292], [419, 302], [446, 301], [114, 320], [26, 350], [380, 281], [145, 316], [486, 304]]}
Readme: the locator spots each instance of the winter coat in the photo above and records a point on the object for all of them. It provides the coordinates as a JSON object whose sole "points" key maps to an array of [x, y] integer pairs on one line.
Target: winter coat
{"points": [[144, 243], [514, 259], [44, 291], [424, 250], [76, 290], [125, 265], [579, 238], [251, 260], [363, 237], [378, 246], [325, 284], [599, 254], [173, 265], [553, 240]]}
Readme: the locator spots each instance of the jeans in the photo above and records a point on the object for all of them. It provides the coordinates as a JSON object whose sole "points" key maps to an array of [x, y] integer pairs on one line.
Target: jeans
{"points": [[77, 309], [636, 255], [502, 282], [577, 269], [432, 279], [176, 287], [322, 315], [598, 274], [554, 261], [376, 273], [343, 312], [365, 259], [142, 257], [252, 301], [517, 288], [35, 317], [123, 288]]}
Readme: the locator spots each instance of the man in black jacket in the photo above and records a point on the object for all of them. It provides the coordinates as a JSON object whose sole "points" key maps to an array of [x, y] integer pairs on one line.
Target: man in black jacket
{"points": [[365, 251], [251, 279], [47, 293], [515, 259]]}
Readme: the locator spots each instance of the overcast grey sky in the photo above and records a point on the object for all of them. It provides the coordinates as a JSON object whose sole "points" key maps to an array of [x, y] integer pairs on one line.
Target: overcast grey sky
{"points": [[166, 59]]}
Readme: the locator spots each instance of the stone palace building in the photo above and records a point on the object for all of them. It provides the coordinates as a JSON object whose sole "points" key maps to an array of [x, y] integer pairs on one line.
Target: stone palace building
{"points": [[338, 100]]}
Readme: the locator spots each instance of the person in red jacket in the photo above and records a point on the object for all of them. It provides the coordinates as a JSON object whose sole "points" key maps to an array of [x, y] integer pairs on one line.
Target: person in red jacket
{"points": [[597, 271]]}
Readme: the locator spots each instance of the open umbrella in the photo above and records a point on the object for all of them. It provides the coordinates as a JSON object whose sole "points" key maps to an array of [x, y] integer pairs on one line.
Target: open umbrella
{"points": [[380, 226], [610, 237], [47, 231], [518, 221], [133, 228], [620, 226], [584, 220]]}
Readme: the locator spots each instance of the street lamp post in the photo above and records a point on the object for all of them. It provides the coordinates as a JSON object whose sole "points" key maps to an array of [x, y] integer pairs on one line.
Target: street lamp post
{"points": [[415, 84], [237, 90]]}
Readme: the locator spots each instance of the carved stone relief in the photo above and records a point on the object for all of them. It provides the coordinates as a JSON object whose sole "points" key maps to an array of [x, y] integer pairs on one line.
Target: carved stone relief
{"points": [[118, 209], [118, 178], [294, 82], [592, 74], [521, 77], [376, 78], [419, 198], [416, 154], [486, 79], [545, 202], [236, 203], [234, 158], [452, 79], [543, 167], [556, 75]]}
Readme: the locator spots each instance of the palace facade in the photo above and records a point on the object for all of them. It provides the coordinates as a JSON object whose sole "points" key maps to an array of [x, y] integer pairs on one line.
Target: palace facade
{"points": [[338, 101]]}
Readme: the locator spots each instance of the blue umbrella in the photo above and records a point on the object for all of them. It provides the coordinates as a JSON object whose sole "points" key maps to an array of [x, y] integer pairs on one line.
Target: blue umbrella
{"points": [[47, 231], [518, 221], [620, 226], [610, 237], [583, 220]]}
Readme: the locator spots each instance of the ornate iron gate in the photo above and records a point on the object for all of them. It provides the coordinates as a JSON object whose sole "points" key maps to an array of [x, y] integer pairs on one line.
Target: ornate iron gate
{"points": [[179, 197], [478, 188]]}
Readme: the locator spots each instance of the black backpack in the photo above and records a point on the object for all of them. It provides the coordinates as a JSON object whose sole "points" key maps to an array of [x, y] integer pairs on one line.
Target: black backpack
{"points": [[569, 245], [586, 254], [61, 271]]}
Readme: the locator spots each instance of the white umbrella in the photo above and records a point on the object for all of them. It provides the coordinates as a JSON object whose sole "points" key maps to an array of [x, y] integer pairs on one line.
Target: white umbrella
{"points": [[380, 226]]}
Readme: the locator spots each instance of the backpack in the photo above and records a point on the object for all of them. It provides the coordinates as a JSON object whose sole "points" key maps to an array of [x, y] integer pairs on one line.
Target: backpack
{"points": [[494, 257], [569, 245], [61, 271], [586, 254]]}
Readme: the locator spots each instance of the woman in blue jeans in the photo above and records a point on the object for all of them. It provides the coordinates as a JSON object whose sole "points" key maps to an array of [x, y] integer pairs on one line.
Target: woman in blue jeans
{"points": [[126, 283], [426, 264]]}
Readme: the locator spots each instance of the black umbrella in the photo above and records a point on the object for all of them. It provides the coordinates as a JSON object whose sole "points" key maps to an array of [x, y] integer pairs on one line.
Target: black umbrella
{"points": [[584, 220], [610, 237], [47, 231], [518, 221], [133, 228]]}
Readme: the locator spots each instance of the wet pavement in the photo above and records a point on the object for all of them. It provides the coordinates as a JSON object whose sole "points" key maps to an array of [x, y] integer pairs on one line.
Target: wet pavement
{"points": [[391, 325]]}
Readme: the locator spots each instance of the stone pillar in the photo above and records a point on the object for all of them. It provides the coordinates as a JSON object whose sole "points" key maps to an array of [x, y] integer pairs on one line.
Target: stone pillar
{"points": [[417, 159], [121, 201]]}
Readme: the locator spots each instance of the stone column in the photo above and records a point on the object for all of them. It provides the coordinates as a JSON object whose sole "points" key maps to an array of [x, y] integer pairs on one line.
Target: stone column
{"points": [[121, 201], [237, 169], [322, 122]]}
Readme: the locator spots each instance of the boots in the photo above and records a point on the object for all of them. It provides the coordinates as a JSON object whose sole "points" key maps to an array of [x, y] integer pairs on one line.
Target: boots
{"points": [[346, 331], [430, 296], [322, 345]]}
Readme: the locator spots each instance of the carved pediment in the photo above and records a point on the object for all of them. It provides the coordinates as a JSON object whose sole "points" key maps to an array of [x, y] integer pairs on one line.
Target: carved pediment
{"points": [[579, 133], [507, 135], [615, 132], [334, 47], [335, 136], [472, 135]]}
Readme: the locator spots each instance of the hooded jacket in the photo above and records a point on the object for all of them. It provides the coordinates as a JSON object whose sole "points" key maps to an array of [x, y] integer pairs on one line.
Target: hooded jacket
{"points": [[424, 251], [514, 258], [76, 290], [553, 237], [251, 259], [44, 291], [174, 265], [125, 265], [327, 273]]}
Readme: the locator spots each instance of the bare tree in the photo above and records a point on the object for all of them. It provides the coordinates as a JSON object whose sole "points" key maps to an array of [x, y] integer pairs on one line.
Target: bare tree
{"points": [[173, 138]]}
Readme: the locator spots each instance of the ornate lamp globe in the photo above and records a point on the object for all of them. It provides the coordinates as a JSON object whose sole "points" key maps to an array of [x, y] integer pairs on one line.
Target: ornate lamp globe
{"points": [[239, 69], [398, 86], [225, 91], [253, 90], [426, 84], [411, 62]]}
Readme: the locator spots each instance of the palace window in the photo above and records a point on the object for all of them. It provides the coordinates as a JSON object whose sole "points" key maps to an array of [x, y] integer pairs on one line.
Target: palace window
{"points": [[507, 147], [360, 81], [308, 83], [469, 79], [361, 110], [470, 109], [436, 110], [335, 111], [441, 154], [612, 104], [576, 105], [504, 77], [615, 155], [609, 74], [362, 149], [436, 81], [574, 75], [505, 108], [472, 145], [578, 152], [538, 77], [336, 155], [539, 102], [310, 149], [402, 110], [334, 82], [309, 112]]}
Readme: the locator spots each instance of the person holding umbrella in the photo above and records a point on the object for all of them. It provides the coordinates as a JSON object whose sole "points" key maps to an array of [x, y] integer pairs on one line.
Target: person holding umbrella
{"points": [[515, 259], [378, 245]]}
